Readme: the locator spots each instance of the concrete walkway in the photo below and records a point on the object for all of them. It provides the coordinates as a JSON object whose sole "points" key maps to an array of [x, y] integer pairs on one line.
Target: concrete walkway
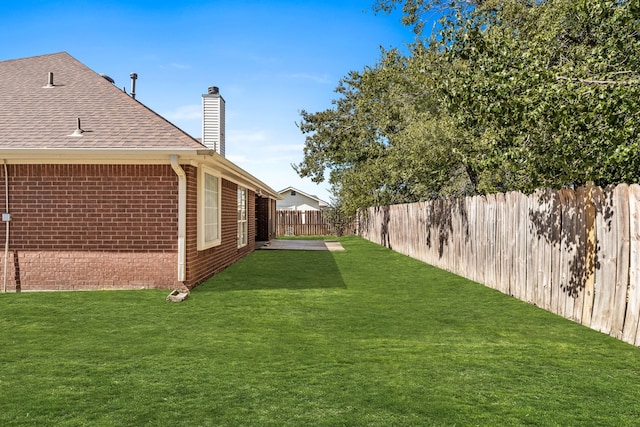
{"points": [[300, 245]]}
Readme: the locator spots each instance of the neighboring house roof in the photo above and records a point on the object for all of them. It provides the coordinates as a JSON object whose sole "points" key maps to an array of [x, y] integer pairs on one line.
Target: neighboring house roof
{"points": [[320, 202], [37, 122]]}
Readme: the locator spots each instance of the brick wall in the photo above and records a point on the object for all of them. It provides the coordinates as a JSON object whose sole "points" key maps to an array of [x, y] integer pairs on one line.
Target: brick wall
{"points": [[203, 264], [84, 270], [110, 227], [93, 207], [92, 226]]}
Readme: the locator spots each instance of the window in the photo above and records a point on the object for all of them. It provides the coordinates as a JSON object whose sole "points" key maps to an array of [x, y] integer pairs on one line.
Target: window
{"points": [[293, 193], [242, 217], [208, 209]]}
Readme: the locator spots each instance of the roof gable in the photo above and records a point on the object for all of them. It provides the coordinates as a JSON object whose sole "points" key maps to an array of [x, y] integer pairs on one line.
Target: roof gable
{"points": [[321, 202], [33, 115]]}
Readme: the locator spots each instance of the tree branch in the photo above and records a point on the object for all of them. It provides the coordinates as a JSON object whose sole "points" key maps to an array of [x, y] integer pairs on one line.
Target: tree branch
{"points": [[599, 82]]}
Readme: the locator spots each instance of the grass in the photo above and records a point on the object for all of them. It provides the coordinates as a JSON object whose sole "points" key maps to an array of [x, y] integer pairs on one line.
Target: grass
{"points": [[364, 337]]}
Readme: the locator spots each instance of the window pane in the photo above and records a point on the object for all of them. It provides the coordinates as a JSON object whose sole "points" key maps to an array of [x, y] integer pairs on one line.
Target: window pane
{"points": [[242, 217], [210, 220]]}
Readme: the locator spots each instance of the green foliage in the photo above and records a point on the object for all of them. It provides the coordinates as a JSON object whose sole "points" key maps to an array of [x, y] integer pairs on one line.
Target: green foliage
{"points": [[341, 222], [386, 140], [505, 95], [552, 86]]}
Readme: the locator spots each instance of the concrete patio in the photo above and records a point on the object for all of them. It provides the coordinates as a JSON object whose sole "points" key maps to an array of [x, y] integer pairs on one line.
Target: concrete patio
{"points": [[300, 245]]}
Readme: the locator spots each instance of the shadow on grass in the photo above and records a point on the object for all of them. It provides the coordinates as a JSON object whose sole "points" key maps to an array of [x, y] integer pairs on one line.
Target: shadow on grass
{"points": [[277, 270]]}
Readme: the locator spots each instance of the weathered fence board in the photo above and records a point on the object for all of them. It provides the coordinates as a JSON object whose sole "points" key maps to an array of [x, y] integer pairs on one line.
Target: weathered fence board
{"points": [[547, 245], [512, 237], [567, 253], [481, 242], [555, 222], [471, 203], [490, 241], [633, 306], [605, 268], [590, 255], [580, 236], [574, 253], [502, 244], [534, 231], [621, 218], [522, 213]]}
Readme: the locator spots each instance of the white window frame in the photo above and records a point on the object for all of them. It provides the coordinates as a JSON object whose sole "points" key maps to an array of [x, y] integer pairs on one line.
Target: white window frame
{"points": [[203, 242], [243, 214]]}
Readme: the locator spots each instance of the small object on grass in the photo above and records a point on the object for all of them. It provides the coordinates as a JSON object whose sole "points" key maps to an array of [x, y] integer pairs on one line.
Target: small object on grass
{"points": [[177, 296]]}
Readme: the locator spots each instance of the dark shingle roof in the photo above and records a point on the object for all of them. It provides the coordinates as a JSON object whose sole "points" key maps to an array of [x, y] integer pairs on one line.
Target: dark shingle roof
{"points": [[34, 116]]}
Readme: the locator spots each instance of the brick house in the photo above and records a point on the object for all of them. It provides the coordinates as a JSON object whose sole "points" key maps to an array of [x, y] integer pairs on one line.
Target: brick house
{"points": [[100, 192]]}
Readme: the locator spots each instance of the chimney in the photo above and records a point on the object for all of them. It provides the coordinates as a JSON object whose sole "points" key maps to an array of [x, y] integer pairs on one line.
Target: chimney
{"points": [[213, 120]]}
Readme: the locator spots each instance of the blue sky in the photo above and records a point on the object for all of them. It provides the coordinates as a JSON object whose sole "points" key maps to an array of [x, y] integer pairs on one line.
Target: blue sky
{"points": [[270, 60]]}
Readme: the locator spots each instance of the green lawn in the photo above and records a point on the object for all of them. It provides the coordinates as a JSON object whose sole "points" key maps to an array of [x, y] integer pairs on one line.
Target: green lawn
{"points": [[364, 337]]}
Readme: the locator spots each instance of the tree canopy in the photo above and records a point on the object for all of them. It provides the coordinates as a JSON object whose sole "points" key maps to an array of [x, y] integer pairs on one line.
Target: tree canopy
{"points": [[502, 95]]}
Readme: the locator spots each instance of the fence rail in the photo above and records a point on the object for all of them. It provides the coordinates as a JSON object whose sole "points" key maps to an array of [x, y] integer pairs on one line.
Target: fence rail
{"points": [[574, 253]]}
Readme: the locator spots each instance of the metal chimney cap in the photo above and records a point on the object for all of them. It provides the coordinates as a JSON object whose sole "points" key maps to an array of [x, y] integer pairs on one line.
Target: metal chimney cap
{"points": [[134, 77], [214, 90]]}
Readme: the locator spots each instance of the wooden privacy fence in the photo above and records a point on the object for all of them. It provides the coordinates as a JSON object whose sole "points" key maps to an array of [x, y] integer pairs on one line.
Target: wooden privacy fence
{"points": [[310, 223], [574, 253], [302, 223]]}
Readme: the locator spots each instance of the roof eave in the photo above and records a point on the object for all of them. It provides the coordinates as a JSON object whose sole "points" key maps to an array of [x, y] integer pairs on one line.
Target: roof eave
{"points": [[92, 155], [135, 156], [213, 158]]}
